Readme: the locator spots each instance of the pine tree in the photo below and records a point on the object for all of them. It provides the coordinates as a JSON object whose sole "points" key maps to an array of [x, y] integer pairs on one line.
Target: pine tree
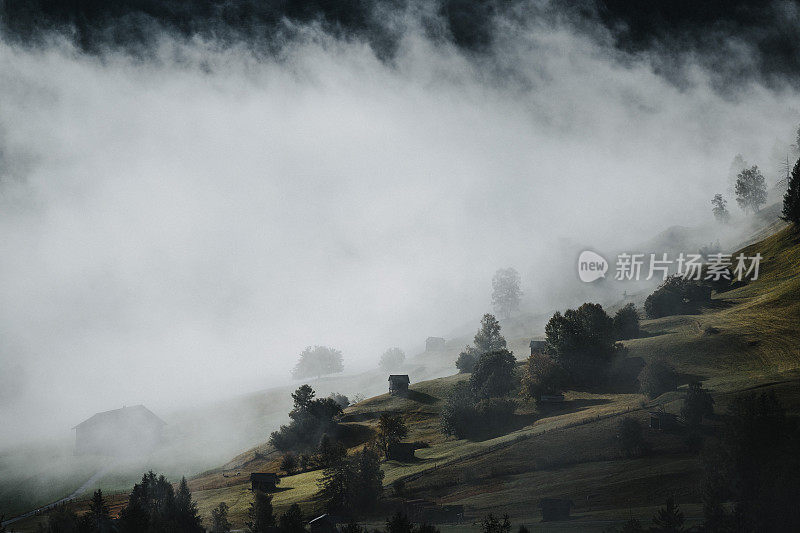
{"points": [[219, 519], [261, 516], [186, 509], [487, 339], [292, 520], [791, 200], [98, 511]]}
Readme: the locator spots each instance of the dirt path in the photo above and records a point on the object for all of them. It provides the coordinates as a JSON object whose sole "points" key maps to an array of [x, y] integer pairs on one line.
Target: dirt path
{"points": [[80, 490]]}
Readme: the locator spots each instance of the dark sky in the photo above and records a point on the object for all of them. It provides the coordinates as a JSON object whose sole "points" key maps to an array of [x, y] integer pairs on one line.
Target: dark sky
{"points": [[673, 30]]}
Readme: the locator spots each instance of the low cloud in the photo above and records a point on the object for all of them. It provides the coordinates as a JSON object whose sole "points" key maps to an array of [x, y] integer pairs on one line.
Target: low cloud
{"points": [[179, 228]]}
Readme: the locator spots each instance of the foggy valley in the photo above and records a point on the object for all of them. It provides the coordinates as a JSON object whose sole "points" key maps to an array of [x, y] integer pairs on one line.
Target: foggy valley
{"points": [[193, 195]]}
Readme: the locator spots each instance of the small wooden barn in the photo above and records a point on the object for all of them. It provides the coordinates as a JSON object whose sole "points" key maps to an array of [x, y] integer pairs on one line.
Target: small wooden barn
{"points": [[402, 451], [264, 481], [661, 420], [398, 383], [537, 346], [557, 397], [434, 344]]}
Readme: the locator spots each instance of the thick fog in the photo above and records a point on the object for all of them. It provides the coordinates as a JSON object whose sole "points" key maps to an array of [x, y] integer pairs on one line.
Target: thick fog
{"points": [[177, 228]]}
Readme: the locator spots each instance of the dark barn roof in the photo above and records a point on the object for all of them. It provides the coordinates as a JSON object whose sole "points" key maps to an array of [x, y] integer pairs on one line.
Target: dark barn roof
{"points": [[136, 414], [263, 476], [399, 378]]}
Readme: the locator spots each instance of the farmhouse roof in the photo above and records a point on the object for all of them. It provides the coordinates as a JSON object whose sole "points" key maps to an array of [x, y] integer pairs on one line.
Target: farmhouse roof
{"points": [[263, 476], [395, 378], [133, 414]]}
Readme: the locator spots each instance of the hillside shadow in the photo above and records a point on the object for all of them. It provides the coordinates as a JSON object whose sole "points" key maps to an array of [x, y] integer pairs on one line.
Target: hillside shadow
{"points": [[723, 304], [687, 377], [517, 422], [644, 334], [420, 397], [572, 406]]}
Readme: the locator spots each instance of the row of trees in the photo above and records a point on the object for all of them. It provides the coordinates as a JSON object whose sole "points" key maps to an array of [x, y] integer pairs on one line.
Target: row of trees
{"points": [[751, 192], [260, 517], [98, 519], [153, 506], [580, 345]]}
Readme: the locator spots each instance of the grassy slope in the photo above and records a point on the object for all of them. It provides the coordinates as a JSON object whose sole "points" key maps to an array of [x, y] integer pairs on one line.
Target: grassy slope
{"points": [[749, 338]]}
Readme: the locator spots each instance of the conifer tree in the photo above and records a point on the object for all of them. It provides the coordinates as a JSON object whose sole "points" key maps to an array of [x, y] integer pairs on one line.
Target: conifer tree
{"points": [[186, 509], [99, 513], [791, 200], [261, 516]]}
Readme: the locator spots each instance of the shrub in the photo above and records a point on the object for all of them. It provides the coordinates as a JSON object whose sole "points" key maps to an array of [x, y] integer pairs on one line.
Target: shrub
{"points": [[656, 378], [626, 323], [494, 416], [542, 375], [465, 416], [493, 524], [342, 400], [466, 360], [677, 296]]}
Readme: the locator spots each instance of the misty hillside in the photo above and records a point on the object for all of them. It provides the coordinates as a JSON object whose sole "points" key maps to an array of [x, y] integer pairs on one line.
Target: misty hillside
{"points": [[743, 341], [402, 260]]}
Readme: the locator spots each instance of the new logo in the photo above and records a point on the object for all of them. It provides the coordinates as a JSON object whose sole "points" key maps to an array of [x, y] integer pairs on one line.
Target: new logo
{"points": [[591, 266]]}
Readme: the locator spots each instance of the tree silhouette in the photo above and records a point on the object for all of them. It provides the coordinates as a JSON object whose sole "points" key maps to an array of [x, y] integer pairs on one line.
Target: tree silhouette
{"points": [[751, 190], [292, 520], [392, 359], [506, 293], [487, 339], [720, 210], [791, 200], [219, 519], [391, 430], [261, 518], [318, 361]]}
